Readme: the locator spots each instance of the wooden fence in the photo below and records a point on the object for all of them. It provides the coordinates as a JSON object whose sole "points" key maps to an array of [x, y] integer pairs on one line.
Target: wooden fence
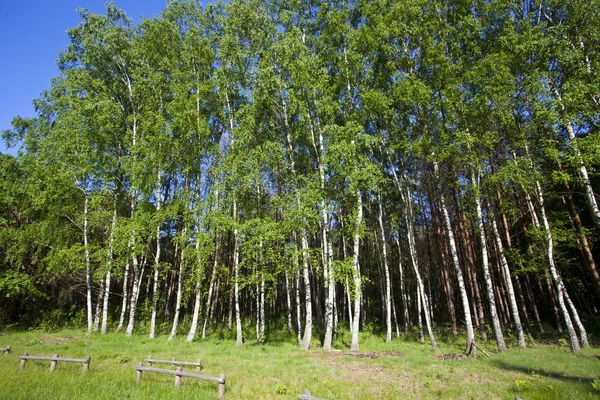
{"points": [[6, 349], [178, 374], [54, 360], [173, 361]]}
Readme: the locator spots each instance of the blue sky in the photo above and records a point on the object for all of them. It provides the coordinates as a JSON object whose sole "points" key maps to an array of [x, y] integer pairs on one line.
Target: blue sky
{"points": [[32, 32]]}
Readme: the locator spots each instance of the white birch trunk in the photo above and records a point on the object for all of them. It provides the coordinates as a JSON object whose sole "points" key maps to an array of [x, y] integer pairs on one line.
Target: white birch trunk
{"points": [[236, 266], [405, 312], [260, 309], [582, 170], [580, 327], [198, 296], [109, 262], [386, 270], [509, 286], [326, 245], [88, 266], [419, 313], [305, 345], [461, 282], [573, 341], [134, 294], [261, 312], [179, 285], [486, 268], [356, 277], [156, 259], [412, 249], [289, 302], [211, 285], [298, 309], [98, 307], [124, 300]]}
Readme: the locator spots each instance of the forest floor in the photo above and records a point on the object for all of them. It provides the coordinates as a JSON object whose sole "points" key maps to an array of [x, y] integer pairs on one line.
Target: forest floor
{"points": [[279, 370]]}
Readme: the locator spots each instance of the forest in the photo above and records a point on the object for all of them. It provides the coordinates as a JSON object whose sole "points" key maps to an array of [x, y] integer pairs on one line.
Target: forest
{"points": [[403, 167]]}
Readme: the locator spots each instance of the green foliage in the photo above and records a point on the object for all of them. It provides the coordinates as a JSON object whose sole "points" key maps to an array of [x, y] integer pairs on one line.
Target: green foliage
{"points": [[258, 126]]}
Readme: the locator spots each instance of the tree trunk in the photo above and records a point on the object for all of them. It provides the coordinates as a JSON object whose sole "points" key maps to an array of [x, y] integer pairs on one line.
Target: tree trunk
{"points": [[486, 269], [356, 276], [98, 307], [211, 285], [109, 262], [573, 341], [134, 294], [236, 266], [583, 241], [582, 170], [459, 276], [179, 284], [88, 265], [260, 331], [405, 311], [156, 257], [198, 290], [307, 293], [412, 247], [386, 269], [288, 298], [124, 300], [580, 327], [509, 286]]}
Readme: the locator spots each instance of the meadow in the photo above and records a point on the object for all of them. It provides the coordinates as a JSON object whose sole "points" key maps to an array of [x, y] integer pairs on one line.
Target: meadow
{"points": [[279, 370]]}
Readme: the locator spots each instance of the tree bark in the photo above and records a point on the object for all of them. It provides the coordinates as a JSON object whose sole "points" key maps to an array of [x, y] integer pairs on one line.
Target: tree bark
{"points": [[386, 269], [156, 258], [486, 269], [356, 276], [179, 284], [509, 286], [459, 276], [573, 341]]}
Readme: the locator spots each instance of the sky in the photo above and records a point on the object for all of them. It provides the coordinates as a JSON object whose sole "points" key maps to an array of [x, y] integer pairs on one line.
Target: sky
{"points": [[32, 32]]}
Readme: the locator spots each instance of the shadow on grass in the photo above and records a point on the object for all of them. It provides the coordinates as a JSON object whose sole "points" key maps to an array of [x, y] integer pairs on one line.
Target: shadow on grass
{"points": [[542, 372]]}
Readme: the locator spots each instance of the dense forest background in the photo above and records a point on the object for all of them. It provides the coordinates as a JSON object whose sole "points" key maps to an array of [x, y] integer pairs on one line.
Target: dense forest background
{"points": [[310, 166]]}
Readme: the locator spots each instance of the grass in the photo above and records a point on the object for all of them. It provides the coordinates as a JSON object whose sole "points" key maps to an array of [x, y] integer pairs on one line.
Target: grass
{"points": [[401, 369]]}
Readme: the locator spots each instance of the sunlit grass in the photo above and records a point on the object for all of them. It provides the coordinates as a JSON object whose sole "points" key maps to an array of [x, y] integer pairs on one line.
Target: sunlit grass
{"points": [[279, 370]]}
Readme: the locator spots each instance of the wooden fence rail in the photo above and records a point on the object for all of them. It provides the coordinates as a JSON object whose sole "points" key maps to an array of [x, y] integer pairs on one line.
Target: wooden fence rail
{"points": [[54, 360], [173, 361], [178, 374], [6, 349]]}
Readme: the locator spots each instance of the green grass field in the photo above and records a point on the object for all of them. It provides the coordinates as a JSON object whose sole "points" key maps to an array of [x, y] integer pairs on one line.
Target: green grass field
{"points": [[401, 369]]}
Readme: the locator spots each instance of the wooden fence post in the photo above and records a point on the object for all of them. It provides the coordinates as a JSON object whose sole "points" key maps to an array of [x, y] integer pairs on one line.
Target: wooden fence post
{"points": [[86, 364], [7, 350], [53, 363], [149, 360], [177, 377], [221, 389], [199, 366], [23, 360], [138, 374]]}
